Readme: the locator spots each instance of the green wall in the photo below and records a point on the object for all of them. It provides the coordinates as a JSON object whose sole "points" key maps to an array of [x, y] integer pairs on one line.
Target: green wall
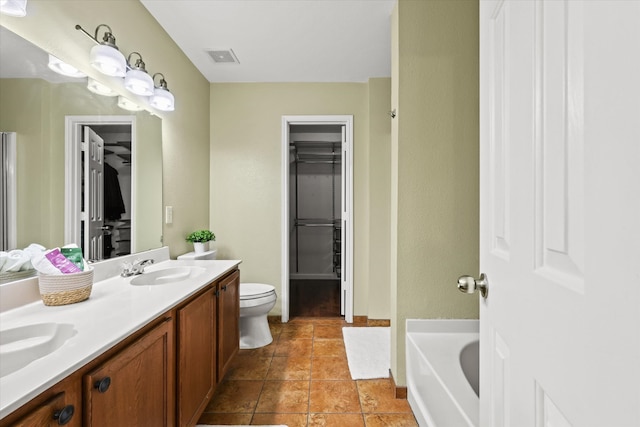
{"points": [[246, 152], [185, 131], [435, 163]]}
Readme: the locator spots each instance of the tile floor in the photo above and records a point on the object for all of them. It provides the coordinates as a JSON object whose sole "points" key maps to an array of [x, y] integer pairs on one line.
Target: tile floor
{"points": [[302, 380]]}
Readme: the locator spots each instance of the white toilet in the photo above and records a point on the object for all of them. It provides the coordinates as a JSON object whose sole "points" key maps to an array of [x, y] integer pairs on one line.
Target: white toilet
{"points": [[256, 300]]}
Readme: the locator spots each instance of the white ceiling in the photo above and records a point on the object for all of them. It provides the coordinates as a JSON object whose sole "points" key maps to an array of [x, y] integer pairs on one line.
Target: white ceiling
{"points": [[282, 40]]}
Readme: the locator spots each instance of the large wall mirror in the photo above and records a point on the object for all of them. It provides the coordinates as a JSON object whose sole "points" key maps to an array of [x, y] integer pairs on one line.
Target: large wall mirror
{"points": [[47, 115]]}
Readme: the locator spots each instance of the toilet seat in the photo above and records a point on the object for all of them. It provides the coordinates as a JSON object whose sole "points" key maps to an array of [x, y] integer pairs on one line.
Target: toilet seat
{"points": [[255, 294], [250, 291]]}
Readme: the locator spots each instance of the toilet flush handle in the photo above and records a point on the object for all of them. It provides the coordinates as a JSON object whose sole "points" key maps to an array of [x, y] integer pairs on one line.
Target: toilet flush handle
{"points": [[469, 285]]}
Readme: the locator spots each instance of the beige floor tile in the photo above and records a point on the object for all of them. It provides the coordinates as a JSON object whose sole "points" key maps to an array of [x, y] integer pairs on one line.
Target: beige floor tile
{"points": [[247, 367], [290, 368], [378, 396], [297, 331], [235, 396], [327, 331], [390, 420], [294, 347], [336, 420], [330, 368], [329, 348], [225, 419], [290, 420], [334, 397], [284, 396]]}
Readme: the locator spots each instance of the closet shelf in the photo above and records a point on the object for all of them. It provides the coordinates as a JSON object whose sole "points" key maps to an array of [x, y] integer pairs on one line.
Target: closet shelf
{"points": [[318, 222]]}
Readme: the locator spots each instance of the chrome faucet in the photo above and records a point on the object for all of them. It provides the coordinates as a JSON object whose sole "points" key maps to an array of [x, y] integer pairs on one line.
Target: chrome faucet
{"points": [[129, 269]]}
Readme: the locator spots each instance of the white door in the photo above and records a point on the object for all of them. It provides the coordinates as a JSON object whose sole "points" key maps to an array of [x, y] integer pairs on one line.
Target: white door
{"points": [[93, 150], [560, 213]]}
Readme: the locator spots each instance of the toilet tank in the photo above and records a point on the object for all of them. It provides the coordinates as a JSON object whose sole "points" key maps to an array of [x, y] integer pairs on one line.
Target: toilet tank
{"points": [[203, 255]]}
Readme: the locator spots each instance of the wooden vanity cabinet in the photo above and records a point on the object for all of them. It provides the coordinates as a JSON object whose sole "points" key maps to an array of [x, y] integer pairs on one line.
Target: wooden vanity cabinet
{"points": [[61, 405], [163, 375], [135, 386], [229, 321], [208, 338], [197, 358]]}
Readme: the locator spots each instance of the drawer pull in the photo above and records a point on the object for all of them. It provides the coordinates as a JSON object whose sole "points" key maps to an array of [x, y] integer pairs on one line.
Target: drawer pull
{"points": [[64, 415], [103, 385]]}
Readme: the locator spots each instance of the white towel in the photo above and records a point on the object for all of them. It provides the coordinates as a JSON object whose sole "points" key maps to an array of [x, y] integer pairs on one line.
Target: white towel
{"points": [[15, 260], [3, 258], [42, 264]]}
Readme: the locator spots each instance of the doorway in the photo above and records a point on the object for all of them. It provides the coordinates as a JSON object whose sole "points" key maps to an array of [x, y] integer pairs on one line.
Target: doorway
{"points": [[317, 226], [99, 185]]}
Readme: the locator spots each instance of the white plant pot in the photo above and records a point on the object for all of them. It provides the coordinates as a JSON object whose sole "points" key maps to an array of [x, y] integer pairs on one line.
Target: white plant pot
{"points": [[200, 247]]}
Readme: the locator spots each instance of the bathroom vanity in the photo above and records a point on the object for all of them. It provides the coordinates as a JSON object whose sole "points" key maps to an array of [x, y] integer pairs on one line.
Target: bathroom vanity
{"points": [[146, 354]]}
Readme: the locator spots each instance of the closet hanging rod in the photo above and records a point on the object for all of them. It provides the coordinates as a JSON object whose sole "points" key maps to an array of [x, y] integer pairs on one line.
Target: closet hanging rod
{"points": [[320, 222], [327, 162]]}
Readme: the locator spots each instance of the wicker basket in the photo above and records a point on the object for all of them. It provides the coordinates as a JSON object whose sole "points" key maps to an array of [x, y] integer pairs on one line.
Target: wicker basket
{"points": [[61, 289]]}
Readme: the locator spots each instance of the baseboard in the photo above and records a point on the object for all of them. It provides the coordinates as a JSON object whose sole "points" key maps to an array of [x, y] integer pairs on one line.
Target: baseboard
{"points": [[365, 321], [357, 320], [399, 392]]}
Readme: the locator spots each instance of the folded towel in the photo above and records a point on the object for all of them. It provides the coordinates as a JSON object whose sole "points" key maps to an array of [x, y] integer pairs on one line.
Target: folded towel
{"points": [[15, 260], [3, 259], [42, 264]]}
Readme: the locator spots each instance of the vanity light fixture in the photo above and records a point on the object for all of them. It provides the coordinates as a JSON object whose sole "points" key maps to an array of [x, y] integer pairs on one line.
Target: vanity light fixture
{"points": [[137, 80], [127, 104], [105, 56], [63, 68], [162, 99], [99, 88], [16, 8]]}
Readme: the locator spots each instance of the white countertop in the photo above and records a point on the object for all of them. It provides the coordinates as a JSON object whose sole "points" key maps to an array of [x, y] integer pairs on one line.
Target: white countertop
{"points": [[113, 312]]}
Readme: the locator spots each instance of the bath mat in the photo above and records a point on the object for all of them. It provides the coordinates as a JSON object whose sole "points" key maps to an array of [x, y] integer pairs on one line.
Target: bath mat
{"points": [[368, 352]]}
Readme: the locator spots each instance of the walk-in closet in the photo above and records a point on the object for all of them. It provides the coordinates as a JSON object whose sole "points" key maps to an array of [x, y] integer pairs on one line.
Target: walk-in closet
{"points": [[315, 197], [113, 194]]}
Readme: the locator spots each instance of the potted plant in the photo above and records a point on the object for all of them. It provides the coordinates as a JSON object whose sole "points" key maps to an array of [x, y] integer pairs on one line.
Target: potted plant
{"points": [[200, 238]]}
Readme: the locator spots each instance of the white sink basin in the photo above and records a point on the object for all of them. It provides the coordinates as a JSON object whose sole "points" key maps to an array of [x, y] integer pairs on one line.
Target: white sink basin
{"points": [[22, 345], [167, 275]]}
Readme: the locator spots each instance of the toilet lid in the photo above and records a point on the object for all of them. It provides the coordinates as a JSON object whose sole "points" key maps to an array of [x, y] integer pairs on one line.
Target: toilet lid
{"points": [[255, 290]]}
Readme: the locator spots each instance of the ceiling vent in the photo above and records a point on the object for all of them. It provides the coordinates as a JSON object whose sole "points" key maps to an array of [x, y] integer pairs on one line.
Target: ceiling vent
{"points": [[223, 56]]}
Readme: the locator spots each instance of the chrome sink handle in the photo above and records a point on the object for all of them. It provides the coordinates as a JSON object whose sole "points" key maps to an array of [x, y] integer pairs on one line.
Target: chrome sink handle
{"points": [[469, 285], [136, 268]]}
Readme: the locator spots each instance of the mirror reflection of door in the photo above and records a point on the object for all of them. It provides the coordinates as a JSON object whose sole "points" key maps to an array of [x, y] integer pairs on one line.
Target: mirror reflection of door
{"points": [[106, 191]]}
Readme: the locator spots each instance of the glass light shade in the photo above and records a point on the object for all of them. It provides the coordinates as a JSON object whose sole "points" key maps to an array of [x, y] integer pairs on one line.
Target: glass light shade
{"points": [[100, 89], [139, 82], [14, 7], [108, 60], [127, 104], [162, 99], [63, 68]]}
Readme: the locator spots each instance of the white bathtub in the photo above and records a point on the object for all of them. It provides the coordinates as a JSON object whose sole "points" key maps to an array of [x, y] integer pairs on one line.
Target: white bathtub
{"points": [[443, 372]]}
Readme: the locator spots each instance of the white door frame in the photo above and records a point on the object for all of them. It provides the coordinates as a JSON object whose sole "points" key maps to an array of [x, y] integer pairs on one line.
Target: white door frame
{"points": [[347, 180], [73, 170], [9, 169]]}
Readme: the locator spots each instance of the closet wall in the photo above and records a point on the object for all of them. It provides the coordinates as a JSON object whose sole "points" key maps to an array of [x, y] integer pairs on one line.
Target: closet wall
{"points": [[315, 202]]}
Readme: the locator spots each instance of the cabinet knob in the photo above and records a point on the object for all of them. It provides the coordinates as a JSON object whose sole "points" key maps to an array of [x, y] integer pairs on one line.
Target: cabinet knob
{"points": [[64, 415], [103, 384], [224, 288]]}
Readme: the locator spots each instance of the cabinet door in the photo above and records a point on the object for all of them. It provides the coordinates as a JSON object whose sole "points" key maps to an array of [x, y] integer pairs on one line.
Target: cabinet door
{"points": [[228, 321], [136, 386], [196, 356], [54, 412]]}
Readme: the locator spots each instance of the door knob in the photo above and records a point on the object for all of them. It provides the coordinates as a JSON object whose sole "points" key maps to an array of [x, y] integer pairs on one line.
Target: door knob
{"points": [[469, 285]]}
